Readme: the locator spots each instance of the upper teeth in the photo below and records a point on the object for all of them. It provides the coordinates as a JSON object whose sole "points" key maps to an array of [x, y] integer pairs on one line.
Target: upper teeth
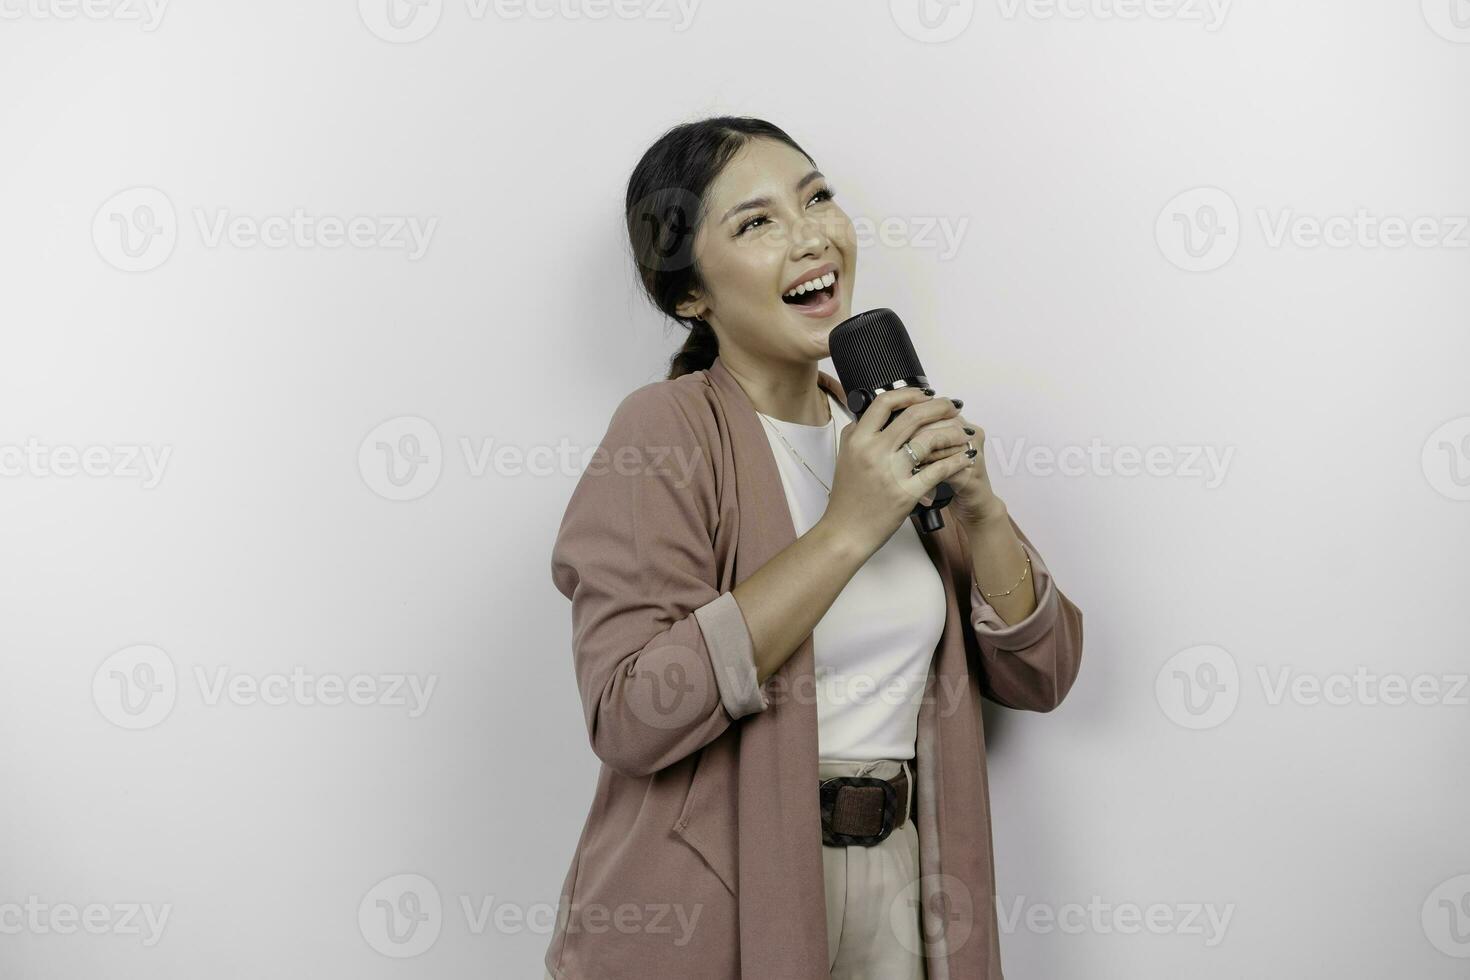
{"points": [[821, 282]]}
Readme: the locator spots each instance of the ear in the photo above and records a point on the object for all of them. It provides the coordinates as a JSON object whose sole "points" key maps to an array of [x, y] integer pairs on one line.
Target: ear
{"points": [[692, 305]]}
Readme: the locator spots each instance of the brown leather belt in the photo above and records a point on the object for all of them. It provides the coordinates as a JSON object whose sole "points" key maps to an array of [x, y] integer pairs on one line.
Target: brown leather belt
{"points": [[863, 810]]}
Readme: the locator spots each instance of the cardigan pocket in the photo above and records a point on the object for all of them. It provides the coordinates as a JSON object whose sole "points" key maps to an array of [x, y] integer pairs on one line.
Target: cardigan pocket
{"points": [[698, 827]]}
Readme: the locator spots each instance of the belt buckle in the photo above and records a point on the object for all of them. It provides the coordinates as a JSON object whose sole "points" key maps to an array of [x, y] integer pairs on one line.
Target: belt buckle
{"points": [[829, 789]]}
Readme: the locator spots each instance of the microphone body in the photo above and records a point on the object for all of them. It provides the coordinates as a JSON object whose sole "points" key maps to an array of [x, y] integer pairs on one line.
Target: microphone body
{"points": [[872, 353]]}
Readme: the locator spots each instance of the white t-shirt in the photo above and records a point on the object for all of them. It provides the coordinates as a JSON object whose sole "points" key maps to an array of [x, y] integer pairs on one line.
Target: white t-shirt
{"points": [[874, 645]]}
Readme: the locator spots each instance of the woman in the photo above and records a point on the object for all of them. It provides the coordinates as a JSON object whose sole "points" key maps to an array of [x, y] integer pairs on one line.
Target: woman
{"points": [[780, 674]]}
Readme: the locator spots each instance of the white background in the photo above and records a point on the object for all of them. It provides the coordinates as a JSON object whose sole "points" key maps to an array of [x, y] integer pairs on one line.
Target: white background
{"points": [[1057, 142]]}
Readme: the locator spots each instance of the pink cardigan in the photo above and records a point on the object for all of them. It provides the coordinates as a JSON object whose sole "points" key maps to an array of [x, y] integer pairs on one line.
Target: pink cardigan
{"points": [[700, 858]]}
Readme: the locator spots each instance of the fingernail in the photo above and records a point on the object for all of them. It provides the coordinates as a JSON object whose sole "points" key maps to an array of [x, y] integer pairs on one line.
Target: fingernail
{"points": [[929, 391], [971, 452], [969, 431], [958, 402]]}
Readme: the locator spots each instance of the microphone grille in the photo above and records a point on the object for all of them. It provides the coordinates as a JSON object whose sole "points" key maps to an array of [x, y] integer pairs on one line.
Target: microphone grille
{"points": [[873, 350]]}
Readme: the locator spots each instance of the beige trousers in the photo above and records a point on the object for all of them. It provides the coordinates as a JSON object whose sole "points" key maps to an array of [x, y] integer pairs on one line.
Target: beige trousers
{"points": [[872, 898], [872, 901]]}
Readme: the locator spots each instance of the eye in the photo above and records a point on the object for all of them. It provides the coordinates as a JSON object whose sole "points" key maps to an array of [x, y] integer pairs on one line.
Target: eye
{"points": [[825, 194], [749, 223]]}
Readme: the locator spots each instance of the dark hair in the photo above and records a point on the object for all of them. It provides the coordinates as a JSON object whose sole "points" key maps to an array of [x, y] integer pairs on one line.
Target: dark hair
{"points": [[665, 207]]}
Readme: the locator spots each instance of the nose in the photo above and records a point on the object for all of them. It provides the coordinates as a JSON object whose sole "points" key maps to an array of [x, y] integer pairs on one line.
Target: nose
{"points": [[809, 237]]}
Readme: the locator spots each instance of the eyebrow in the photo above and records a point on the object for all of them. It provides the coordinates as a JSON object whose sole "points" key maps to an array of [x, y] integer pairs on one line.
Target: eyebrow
{"points": [[765, 202]]}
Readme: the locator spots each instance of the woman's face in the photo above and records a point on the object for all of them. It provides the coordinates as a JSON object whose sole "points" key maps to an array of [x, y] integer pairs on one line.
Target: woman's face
{"points": [[770, 224]]}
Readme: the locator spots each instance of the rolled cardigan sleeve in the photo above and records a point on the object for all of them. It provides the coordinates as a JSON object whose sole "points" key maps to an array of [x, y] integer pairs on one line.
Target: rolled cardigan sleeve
{"points": [[1030, 664], [663, 657], [732, 654]]}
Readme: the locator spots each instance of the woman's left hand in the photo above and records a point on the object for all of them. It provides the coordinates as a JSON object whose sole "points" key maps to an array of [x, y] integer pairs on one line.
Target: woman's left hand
{"points": [[975, 502]]}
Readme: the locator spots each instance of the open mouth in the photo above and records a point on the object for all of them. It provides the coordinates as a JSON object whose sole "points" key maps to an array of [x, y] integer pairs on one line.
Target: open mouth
{"points": [[814, 294]]}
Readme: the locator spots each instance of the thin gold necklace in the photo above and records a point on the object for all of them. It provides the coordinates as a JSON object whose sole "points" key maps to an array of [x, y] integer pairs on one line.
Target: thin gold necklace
{"points": [[831, 422]]}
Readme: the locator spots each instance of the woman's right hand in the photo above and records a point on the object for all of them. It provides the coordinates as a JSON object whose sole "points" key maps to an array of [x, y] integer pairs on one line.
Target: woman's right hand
{"points": [[873, 489]]}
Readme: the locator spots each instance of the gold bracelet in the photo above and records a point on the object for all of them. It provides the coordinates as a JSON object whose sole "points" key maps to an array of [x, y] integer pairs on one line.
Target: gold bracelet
{"points": [[997, 595]]}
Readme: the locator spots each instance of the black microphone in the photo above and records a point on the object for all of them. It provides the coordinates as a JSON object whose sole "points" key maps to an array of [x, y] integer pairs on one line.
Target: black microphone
{"points": [[872, 353]]}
